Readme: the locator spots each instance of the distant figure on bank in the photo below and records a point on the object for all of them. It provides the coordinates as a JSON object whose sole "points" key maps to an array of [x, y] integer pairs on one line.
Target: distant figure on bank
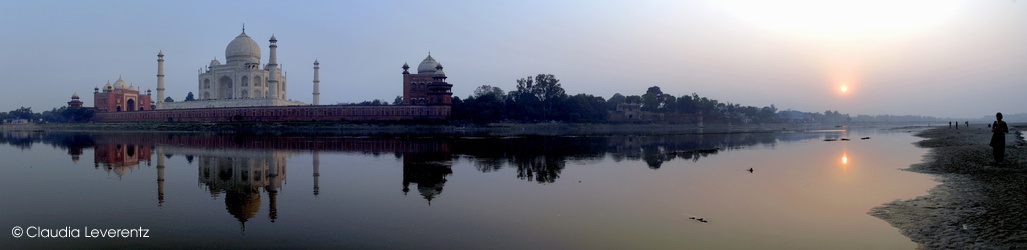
{"points": [[998, 138], [967, 123], [950, 124], [957, 125]]}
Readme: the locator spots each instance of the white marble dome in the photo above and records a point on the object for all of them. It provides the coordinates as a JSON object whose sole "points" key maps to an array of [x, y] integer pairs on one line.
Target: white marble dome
{"points": [[427, 66], [120, 84], [244, 49], [438, 70]]}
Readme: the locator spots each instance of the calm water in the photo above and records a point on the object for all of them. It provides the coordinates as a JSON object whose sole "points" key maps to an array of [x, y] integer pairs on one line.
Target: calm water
{"points": [[567, 193]]}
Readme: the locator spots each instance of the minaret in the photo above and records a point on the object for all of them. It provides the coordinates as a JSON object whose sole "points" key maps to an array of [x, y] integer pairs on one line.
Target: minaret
{"points": [[406, 85], [160, 80], [317, 171], [317, 85], [272, 69]]}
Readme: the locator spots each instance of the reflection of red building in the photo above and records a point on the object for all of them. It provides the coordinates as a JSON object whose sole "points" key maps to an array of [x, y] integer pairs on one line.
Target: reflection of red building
{"points": [[120, 158], [428, 170], [121, 97]]}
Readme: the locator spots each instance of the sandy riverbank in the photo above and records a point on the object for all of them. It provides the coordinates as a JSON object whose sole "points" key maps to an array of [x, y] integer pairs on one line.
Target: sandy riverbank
{"points": [[977, 205]]}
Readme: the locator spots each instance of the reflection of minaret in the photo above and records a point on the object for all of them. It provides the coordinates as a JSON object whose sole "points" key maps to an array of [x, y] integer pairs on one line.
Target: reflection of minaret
{"points": [[428, 170], [317, 171], [160, 176], [272, 190]]}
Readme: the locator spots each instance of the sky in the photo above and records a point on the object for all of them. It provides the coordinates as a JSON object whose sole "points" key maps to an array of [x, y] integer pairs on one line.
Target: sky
{"points": [[944, 58]]}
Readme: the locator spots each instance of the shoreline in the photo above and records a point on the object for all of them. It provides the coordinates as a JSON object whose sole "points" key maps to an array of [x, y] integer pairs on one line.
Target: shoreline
{"points": [[976, 205]]}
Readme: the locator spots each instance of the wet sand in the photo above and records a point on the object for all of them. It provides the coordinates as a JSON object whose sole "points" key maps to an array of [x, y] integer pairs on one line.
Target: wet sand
{"points": [[978, 205]]}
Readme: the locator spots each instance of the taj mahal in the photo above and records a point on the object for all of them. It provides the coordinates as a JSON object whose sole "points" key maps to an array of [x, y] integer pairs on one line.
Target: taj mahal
{"points": [[241, 81], [244, 89]]}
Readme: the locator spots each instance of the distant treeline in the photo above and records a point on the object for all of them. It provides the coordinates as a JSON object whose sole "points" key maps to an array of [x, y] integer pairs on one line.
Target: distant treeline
{"points": [[62, 114], [543, 99]]}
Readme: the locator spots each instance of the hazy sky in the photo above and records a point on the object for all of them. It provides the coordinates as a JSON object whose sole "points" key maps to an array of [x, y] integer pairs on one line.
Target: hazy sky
{"points": [[930, 57]]}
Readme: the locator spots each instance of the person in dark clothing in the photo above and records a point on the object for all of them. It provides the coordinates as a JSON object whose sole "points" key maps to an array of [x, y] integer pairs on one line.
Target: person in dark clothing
{"points": [[998, 138]]}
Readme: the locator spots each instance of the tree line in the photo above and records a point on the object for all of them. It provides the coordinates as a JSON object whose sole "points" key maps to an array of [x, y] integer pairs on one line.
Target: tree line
{"points": [[62, 114], [542, 99]]}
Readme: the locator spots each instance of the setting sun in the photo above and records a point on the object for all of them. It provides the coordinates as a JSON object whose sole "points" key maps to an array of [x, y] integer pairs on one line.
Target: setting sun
{"points": [[845, 89]]}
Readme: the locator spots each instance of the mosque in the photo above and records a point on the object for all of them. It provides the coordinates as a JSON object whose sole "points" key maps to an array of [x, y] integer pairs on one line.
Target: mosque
{"points": [[242, 89]]}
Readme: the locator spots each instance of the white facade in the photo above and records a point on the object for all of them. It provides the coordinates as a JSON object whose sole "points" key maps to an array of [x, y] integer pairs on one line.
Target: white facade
{"points": [[241, 81]]}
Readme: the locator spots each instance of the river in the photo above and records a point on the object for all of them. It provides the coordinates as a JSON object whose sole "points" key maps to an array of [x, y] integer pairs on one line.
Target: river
{"points": [[693, 191]]}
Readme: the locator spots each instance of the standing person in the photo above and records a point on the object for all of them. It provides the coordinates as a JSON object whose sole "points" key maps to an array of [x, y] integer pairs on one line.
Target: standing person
{"points": [[998, 138], [967, 123]]}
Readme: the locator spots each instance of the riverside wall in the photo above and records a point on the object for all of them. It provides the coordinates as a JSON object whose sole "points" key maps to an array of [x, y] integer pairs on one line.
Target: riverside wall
{"points": [[281, 114]]}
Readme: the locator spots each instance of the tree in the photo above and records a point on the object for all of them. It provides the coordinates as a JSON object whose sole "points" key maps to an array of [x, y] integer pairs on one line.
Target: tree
{"points": [[375, 102], [190, 97], [668, 103], [77, 115], [168, 99], [633, 99], [686, 104], [614, 100], [398, 100], [547, 88], [585, 108], [55, 115], [22, 113], [652, 99], [486, 89]]}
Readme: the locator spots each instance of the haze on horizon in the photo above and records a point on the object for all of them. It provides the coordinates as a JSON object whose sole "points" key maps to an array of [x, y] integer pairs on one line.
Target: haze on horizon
{"points": [[945, 58]]}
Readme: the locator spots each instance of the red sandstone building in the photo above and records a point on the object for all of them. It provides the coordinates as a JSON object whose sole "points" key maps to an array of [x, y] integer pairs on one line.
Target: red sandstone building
{"points": [[428, 86], [120, 97]]}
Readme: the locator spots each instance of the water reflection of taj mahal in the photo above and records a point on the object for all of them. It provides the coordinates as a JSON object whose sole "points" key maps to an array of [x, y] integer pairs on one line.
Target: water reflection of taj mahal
{"points": [[242, 178]]}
